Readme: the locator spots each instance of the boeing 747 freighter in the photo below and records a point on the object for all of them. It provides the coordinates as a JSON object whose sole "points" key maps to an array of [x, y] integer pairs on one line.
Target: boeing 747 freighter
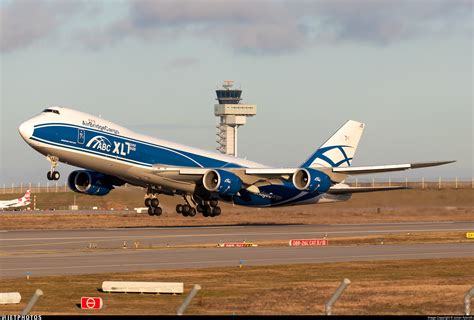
{"points": [[111, 156]]}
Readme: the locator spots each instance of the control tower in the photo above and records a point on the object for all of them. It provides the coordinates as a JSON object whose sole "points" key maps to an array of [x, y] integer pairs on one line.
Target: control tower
{"points": [[232, 114]]}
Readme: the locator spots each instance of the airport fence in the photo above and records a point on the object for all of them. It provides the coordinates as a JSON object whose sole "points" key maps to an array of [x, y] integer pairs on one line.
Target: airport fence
{"points": [[439, 183], [40, 187]]}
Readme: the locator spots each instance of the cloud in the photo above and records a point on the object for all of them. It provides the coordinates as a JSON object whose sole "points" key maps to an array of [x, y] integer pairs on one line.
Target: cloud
{"points": [[257, 27], [27, 21], [282, 26], [387, 21], [244, 26]]}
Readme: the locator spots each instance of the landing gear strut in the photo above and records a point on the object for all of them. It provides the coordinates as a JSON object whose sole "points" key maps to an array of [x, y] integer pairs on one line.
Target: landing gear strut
{"points": [[152, 202], [53, 174]]}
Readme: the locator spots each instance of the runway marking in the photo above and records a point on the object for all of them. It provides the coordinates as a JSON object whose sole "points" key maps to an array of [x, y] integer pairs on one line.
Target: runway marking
{"points": [[399, 223], [121, 238], [168, 228], [398, 255]]}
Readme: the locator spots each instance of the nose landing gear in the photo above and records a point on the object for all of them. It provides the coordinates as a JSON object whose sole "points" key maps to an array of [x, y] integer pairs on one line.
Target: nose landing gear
{"points": [[53, 174]]}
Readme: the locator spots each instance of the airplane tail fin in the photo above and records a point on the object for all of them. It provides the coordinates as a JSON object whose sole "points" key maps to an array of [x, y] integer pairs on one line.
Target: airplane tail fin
{"points": [[338, 150], [26, 197]]}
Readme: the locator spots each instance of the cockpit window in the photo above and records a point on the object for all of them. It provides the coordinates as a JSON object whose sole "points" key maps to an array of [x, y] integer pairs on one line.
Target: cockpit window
{"points": [[51, 110]]}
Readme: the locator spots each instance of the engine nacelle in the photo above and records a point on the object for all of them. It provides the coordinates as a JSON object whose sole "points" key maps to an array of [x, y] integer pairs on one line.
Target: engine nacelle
{"points": [[311, 180], [92, 183], [222, 182]]}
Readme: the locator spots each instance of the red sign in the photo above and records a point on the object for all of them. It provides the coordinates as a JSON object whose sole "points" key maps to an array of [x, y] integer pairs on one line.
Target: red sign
{"points": [[309, 242], [91, 303]]}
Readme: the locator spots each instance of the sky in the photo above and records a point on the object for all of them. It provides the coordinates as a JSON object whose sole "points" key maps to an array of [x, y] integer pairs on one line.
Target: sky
{"points": [[403, 67]]}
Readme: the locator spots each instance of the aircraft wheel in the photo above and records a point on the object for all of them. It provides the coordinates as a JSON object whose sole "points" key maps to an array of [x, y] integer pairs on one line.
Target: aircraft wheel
{"points": [[49, 176], [205, 211], [158, 211], [147, 202], [213, 203], [217, 211], [155, 202], [151, 211], [55, 175], [179, 208], [192, 212], [199, 208], [186, 210]]}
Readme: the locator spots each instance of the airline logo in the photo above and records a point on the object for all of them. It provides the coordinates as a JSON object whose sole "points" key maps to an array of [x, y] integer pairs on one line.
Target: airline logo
{"points": [[26, 197], [101, 143]]}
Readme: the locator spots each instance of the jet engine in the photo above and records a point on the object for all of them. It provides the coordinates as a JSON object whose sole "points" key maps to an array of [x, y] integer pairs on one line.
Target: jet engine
{"points": [[311, 180], [222, 182], [92, 183]]}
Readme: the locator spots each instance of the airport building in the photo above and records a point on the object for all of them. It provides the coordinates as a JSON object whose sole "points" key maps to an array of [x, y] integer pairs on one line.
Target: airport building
{"points": [[231, 114]]}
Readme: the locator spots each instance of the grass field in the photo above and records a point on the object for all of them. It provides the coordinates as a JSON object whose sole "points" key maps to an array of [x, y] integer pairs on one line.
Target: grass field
{"points": [[431, 286], [435, 286], [395, 206]]}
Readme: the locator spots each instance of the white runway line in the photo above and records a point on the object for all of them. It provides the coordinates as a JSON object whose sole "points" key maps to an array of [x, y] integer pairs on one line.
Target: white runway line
{"points": [[234, 234]]}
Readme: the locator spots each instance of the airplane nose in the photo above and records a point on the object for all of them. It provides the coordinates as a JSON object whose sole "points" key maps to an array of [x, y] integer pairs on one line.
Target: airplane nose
{"points": [[26, 129]]}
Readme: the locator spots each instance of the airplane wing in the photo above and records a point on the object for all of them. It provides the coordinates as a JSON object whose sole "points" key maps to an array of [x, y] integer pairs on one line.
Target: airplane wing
{"points": [[387, 168], [251, 176]]}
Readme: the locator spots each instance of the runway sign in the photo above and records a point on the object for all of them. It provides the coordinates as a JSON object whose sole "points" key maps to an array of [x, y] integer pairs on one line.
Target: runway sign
{"points": [[91, 303], [238, 244], [309, 242], [470, 235]]}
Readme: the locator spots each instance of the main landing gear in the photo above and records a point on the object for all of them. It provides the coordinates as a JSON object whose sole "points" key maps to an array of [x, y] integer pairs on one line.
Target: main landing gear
{"points": [[187, 209], [152, 202], [53, 174], [207, 208]]}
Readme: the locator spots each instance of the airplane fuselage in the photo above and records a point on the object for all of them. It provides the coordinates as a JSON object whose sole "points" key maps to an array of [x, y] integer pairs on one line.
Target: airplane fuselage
{"points": [[90, 142]]}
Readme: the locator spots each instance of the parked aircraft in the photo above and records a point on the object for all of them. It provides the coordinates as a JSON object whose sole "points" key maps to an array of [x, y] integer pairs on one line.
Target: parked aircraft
{"points": [[112, 155], [16, 203]]}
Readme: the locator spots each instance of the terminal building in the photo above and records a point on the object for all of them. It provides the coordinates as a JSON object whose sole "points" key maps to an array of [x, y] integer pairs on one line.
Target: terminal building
{"points": [[231, 114]]}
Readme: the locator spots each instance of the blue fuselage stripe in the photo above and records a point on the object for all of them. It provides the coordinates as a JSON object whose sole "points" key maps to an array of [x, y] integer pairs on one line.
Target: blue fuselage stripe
{"points": [[121, 148], [142, 153]]}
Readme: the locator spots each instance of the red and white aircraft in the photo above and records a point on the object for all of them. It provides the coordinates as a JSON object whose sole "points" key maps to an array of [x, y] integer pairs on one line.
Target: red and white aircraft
{"points": [[16, 203]]}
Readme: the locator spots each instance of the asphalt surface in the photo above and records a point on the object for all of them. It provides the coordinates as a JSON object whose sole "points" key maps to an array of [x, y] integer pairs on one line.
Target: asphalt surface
{"points": [[57, 252]]}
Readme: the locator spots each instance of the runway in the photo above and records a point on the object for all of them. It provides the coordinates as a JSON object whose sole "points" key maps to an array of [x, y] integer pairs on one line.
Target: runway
{"points": [[54, 252]]}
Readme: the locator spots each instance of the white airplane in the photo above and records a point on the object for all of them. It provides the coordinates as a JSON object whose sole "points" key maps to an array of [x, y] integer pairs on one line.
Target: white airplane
{"points": [[16, 203], [113, 155]]}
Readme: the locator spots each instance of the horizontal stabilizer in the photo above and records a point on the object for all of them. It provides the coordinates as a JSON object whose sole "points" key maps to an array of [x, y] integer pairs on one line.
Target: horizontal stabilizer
{"points": [[387, 168]]}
